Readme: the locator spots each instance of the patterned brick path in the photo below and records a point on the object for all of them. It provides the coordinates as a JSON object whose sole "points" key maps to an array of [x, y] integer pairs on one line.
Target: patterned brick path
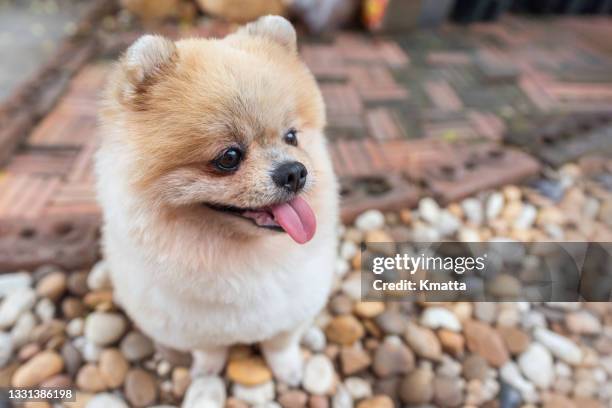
{"points": [[424, 113]]}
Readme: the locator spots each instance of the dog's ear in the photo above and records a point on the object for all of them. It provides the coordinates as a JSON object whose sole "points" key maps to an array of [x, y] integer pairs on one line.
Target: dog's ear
{"points": [[274, 28], [145, 61]]}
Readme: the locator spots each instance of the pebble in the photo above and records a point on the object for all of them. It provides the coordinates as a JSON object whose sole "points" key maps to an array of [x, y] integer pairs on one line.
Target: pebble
{"points": [[181, 379], [45, 309], [256, 395], [494, 205], [113, 367], [354, 359], [345, 329], [14, 305], [468, 235], [370, 220], [21, 332], [510, 373], [77, 283], [485, 311], [89, 379], [140, 388], [293, 399], [536, 363], [135, 346], [12, 282], [447, 392], [40, 367], [379, 401], [368, 310], [99, 277], [52, 286], [392, 357], [342, 398], [358, 387], [509, 397], [208, 392], [526, 217], [106, 400], [560, 346], [423, 342], [6, 348], [73, 307], [75, 327], [348, 250], [453, 343], [516, 340], [104, 328], [91, 351], [417, 387], [440, 318], [475, 367], [472, 208], [391, 322], [486, 341], [447, 224], [72, 358], [314, 339], [319, 375], [429, 210], [248, 371], [352, 286], [583, 322]]}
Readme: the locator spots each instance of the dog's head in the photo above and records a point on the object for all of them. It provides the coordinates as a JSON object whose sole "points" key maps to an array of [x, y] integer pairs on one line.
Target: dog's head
{"points": [[227, 130]]}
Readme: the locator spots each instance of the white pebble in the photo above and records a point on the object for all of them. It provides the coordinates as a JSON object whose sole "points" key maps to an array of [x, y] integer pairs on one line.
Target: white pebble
{"points": [[472, 208], [99, 277], [22, 330], [256, 395], [75, 327], [314, 339], [106, 400], [370, 220], [6, 348], [526, 217], [358, 388], [14, 305], [342, 398], [510, 373], [342, 267], [11, 282], [429, 210], [494, 206], [348, 250], [318, 375], [536, 363], [560, 346], [206, 392], [45, 309], [440, 318]]}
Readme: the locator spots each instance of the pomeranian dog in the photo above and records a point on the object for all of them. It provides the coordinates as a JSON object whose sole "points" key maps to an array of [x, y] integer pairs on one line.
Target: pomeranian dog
{"points": [[219, 199]]}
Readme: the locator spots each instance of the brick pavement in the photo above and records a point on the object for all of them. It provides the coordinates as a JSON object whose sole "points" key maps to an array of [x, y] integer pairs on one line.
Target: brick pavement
{"points": [[409, 112]]}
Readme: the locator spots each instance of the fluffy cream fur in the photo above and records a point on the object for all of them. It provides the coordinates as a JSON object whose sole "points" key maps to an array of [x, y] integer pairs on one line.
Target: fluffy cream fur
{"points": [[193, 278]]}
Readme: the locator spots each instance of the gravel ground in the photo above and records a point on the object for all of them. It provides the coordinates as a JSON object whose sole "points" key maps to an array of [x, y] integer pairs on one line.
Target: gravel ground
{"points": [[62, 329]]}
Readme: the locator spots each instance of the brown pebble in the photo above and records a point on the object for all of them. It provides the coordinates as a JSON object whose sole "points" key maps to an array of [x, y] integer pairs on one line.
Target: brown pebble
{"points": [[113, 367], [368, 310], [233, 402], [392, 358], [6, 373], [28, 351], [77, 283], [318, 401], [379, 401], [453, 343], [354, 359], [345, 330], [140, 388], [341, 304], [486, 341], [97, 298], [57, 381], [293, 399], [249, 371], [89, 379], [52, 285], [515, 339], [72, 358], [40, 367], [423, 342], [73, 307], [447, 392], [475, 367], [417, 387], [180, 381], [557, 401]]}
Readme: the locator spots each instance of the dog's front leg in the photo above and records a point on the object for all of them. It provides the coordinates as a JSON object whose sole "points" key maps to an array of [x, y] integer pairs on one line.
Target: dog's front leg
{"points": [[208, 361], [283, 355]]}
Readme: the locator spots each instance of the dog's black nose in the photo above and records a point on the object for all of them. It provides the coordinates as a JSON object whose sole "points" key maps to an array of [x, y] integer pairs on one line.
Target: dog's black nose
{"points": [[290, 175]]}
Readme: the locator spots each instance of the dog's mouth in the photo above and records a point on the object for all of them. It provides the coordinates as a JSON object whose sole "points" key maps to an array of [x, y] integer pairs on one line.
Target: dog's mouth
{"points": [[295, 217]]}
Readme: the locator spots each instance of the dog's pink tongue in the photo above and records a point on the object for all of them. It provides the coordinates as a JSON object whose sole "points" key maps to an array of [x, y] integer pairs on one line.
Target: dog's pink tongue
{"points": [[297, 219]]}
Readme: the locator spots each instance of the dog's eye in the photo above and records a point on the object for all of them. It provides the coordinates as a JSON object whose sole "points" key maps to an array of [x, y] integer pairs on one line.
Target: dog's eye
{"points": [[291, 137], [229, 159]]}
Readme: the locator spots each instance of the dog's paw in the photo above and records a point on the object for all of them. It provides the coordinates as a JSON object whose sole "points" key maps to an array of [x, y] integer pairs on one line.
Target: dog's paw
{"points": [[209, 362], [286, 365]]}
